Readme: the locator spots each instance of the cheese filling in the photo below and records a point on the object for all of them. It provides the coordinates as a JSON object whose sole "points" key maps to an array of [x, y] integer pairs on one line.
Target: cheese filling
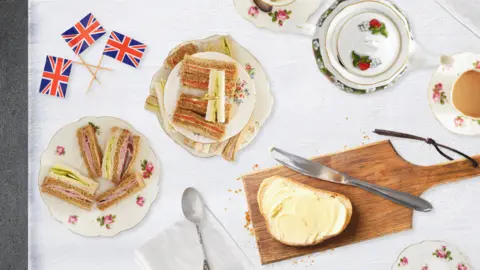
{"points": [[298, 215]]}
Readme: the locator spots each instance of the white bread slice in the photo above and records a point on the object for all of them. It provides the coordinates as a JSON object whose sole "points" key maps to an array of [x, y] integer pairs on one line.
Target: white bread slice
{"points": [[299, 215]]}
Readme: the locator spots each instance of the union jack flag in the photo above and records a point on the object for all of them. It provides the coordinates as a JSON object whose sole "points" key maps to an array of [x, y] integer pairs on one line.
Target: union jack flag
{"points": [[83, 34], [124, 49], [55, 76]]}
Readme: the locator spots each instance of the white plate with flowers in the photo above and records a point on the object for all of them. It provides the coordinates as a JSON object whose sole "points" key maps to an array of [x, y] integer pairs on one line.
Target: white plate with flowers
{"points": [[64, 149], [242, 108], [431, 255]]}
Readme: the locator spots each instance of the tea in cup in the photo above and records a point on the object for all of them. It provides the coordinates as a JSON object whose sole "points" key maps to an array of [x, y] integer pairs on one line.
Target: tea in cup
{"points": [[466, 94]]}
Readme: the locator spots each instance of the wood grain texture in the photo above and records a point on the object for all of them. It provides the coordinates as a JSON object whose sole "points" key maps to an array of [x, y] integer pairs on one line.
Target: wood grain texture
{"points": [[373, 216]]}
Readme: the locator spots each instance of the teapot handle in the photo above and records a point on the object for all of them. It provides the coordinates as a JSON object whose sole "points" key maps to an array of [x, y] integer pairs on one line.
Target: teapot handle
{"points": [[422, 58]]}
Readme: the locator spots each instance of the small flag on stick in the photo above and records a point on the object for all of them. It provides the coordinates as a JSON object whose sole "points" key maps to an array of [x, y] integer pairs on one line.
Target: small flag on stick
{"points": [[83, 34], [55, 76], [125, 49]]}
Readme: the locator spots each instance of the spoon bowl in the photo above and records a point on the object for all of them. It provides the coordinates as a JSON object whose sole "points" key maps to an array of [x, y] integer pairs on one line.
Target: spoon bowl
{"points": [[192, 205]]}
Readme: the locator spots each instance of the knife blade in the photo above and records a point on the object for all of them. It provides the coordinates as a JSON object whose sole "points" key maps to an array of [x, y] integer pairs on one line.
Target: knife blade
{"points": [[322, 172]]}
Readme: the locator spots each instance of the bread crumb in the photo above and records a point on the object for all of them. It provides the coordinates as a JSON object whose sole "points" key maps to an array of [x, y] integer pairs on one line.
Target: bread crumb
{"points": [[255, 167], [248, 224], [229, 190]]}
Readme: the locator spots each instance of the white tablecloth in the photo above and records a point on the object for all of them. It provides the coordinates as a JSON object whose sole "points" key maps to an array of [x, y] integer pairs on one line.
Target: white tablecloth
{"points": [[310, 117]]}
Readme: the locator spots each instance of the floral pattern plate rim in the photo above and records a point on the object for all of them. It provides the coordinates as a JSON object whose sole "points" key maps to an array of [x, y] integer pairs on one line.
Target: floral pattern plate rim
{"points": [[431, 255], [335, 71], [286, 18], [263, 105], [241, 108], [63, 148], [439, 94]]}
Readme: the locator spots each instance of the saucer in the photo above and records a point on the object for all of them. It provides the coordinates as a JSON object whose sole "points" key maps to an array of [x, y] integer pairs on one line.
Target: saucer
{"points": [[439, 94], [242, 106], [63, 149], [284, 16], [362, 46], [431, 255]]}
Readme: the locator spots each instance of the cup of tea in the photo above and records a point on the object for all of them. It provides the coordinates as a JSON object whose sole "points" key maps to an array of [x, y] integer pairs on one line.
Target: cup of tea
{"points": [[466, 94]]}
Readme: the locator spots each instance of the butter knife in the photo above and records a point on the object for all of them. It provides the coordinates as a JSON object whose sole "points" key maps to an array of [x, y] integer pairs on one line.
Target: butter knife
{"points": [[322, 172]]}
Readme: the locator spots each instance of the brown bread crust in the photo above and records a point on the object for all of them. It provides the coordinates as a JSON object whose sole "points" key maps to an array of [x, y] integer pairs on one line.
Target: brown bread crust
{"points": [[200, 125], [75, 201], [95, 171], [139, 184], [179, 53]]}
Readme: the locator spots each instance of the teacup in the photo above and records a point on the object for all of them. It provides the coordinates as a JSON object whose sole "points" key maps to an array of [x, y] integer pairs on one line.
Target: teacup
{"points": [[465, 94], [279, 2]]}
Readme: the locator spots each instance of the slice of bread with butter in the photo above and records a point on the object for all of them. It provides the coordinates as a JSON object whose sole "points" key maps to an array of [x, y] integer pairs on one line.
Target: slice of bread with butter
{"points": [[300, 215]]}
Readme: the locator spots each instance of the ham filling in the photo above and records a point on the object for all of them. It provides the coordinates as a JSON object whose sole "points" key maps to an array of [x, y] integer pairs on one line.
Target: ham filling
{"points": [[118, 193], [126, 155], [70, 193], [88, 153]]}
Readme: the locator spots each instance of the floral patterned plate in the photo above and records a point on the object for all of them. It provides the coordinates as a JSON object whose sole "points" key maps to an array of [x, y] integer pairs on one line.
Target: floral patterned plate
{"points": [[439, 94], [362, 46], [263, 97], [290, 16], [242, 108], [63, 149], [431, 255]]}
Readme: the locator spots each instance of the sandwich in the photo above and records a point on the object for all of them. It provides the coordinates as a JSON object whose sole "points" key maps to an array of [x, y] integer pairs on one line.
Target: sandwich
{"points": [[199, 105], [216, 90], [129, 186], [121, 150], [195, 73], [198, 124], [69, 185], [300, 215], [179, 53], [90, 149]]}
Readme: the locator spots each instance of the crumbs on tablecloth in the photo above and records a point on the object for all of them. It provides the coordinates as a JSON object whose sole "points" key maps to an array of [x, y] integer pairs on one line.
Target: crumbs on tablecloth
{"points": [[236, 191], [255, 167], [248, 223], [309, 261]]}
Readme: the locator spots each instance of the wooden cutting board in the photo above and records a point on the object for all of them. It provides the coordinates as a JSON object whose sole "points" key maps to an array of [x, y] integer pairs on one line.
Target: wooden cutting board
{"points": [[373, 216]]}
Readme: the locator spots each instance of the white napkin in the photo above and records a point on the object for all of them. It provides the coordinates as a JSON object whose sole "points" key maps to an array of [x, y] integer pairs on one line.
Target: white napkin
{"points": [[178, 248], [466, 11]]}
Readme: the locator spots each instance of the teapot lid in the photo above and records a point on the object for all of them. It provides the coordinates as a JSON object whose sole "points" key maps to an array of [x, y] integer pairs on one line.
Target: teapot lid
{"points": [[363, 46]]}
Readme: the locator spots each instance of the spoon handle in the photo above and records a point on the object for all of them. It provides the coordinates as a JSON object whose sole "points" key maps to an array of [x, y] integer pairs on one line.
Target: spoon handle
{"points": [[205, 265], [205, 262]]}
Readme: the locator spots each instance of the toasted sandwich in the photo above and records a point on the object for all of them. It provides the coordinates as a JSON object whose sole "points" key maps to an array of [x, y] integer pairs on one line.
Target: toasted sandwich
{"points": [[121, 150], [179, 53], [129, 186], [198, 124], [195, 73], [199, 105], [91, 152], [69, 185]]}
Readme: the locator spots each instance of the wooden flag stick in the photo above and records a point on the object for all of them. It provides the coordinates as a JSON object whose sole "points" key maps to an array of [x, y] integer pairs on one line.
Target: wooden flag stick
{"points": [[97, 67], [91, 72], [88, 65]]}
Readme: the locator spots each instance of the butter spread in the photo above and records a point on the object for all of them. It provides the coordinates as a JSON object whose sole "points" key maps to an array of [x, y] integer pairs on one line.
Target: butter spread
{"points": [[299, 215]]}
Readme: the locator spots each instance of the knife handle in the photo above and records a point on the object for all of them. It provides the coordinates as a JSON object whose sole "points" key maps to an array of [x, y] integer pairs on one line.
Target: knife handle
{"points": [[395, 196]]}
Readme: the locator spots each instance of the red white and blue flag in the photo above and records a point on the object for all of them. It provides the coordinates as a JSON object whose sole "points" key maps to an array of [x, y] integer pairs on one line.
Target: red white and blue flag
{"points": [[124, 49], [55, 76], [83, 34]]}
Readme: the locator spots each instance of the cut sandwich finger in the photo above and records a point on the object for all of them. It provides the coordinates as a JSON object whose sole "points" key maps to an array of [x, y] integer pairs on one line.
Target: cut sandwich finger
{"points": [[90, 149], [128, 187], [121, 151]]}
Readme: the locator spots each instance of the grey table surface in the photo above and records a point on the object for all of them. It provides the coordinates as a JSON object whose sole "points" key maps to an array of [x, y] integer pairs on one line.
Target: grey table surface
{"points": [[13, 134]]}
